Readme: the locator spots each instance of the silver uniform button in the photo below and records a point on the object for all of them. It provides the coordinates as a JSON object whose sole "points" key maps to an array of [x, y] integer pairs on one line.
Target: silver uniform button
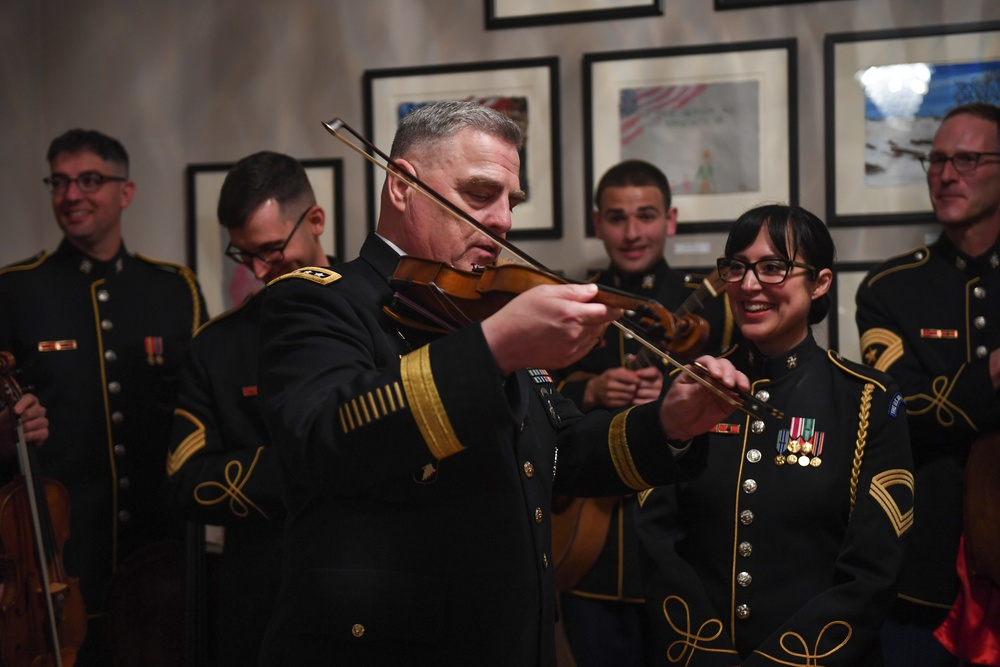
{"points": [[124, 516], [539, 515], [110, 355], [117, 417], [107, 325], [114, 387], [749, 486], [745, 549], [103, 296], [119, 450], [762, 395], [744, 579], [979, 292], [979, 322], [746, 517], [981, 351], [529, 470], [754, 456], [757, 427], [742, 612], [545, 561]]}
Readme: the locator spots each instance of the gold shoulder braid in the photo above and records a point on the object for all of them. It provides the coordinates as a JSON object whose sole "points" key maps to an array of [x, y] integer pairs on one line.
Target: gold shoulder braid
{"points": [[859, 448]]}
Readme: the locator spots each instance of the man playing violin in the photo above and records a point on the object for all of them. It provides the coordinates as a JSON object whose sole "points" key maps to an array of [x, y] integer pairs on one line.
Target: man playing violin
{"points": [[602, 612], [418, 469]]}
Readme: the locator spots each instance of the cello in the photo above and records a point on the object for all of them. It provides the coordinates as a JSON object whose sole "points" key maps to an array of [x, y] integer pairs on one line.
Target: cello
{"points": [[43, 620]]}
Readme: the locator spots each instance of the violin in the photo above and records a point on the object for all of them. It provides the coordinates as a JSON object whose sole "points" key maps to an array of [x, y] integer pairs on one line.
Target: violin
{"points": [[43, 620], [653, 326], [453, 297]]}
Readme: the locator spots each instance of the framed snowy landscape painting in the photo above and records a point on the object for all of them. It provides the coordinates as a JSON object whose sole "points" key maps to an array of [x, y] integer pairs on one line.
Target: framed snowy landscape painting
{"points": [[886, 93]]}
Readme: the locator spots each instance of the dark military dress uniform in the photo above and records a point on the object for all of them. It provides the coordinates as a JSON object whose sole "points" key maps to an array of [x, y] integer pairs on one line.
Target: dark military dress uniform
{"points": [[930, 318], [101, 345], [221, 471], [786, 550], [418, 480], [615, 574]]}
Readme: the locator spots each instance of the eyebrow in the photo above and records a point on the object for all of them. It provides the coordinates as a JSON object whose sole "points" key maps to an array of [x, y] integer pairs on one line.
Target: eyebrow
{"points": [[641, 209], [516, 196]]}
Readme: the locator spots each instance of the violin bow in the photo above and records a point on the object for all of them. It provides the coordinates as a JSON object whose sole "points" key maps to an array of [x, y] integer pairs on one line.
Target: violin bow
{"points": [[746, 403]]}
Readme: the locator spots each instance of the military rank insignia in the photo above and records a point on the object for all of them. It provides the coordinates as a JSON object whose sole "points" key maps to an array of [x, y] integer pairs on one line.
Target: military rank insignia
{"points": [[154, 350], [800, 444]]}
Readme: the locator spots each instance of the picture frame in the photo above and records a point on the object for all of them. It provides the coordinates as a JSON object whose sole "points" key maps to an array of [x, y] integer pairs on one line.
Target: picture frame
{"points": [[687, 102], [525, 13], [884, 95], [526, 89], [223, 282], [841, 327], [721, 5]]}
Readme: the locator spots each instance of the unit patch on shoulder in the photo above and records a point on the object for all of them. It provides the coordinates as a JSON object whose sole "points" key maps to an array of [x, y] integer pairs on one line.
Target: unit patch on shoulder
{"points": [[313, 273], [895, 404]]}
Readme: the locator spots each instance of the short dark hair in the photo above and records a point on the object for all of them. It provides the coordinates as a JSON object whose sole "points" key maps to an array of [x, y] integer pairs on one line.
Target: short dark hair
{"points": [[76, 141], [635, 173], [795, 232], [259, 177], [988, 112], [442, 120]]}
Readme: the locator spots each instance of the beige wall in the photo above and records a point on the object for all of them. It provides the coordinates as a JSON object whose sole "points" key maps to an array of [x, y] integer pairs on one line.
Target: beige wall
{"points": [[192, 81]]}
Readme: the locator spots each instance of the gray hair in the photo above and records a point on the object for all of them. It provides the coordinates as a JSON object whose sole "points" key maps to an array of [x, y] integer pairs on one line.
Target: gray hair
{"points": [[442, 120]]}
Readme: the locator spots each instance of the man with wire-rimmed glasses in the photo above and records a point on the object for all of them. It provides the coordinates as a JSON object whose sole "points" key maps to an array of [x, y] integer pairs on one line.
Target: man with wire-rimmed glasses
{"points": [[931, 319], [221, 468], [100, 334]]}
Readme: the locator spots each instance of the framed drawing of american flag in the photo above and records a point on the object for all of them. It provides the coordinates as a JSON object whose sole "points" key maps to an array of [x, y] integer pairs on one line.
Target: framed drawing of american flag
{"points": [[720, 121]]}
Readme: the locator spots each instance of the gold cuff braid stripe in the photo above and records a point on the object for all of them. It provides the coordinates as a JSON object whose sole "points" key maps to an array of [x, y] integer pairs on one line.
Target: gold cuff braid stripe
{"points": [[893, 347], [620, 454], [425, 404]]}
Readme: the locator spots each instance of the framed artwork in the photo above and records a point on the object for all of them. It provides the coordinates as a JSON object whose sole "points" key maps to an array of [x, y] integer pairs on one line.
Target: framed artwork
{"points": [[885, 94], [843, 331], [720, 121], [224, 282], [744, 4], [526, 90], [523, 13]]}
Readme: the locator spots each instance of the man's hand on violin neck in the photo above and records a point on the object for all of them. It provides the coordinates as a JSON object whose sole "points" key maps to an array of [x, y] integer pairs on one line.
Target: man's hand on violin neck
{"points": [[549, 326]]}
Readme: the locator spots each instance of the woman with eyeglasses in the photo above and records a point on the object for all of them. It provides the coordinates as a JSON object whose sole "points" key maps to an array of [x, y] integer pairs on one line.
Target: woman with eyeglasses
{"points": [[785, 551]]}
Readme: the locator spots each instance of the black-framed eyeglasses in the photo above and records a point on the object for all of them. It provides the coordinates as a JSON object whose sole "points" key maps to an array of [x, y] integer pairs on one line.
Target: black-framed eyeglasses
{"points": [[88, 182], [963, 162], [768, 271], [269, 255]]}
